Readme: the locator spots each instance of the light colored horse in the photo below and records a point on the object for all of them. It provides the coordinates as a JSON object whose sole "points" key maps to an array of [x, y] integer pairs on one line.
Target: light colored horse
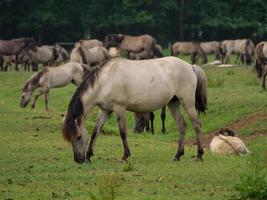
{"points": [[45, 55], [189, 48], [243, 48], [88, 44], [261, 62], [144, 45], [138, 86], [51, 77], [9, 60], [140, 56], [90, 57], [212, 47], [227, 143]]}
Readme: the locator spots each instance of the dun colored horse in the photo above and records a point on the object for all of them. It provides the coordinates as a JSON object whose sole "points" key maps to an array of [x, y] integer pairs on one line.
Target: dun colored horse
{"points": [[138, 86], [243, 48], [51, 77], [16, 46], [90, 57], [88, 44], [145, 46], [212, 47], [45, 55], [189, 48]]}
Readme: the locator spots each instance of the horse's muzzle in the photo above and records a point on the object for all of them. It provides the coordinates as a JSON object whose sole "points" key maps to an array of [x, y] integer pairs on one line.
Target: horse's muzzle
{"points": [[79, 159], [23, 104]]}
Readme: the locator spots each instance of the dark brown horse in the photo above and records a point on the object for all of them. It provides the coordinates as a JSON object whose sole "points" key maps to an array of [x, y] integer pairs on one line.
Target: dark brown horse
{"points": [[144, 45], [15, 46]]}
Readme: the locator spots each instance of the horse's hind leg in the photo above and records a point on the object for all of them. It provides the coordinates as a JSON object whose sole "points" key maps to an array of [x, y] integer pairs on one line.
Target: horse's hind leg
{"points": [[102, 118], [193, 115], [46, 94], [181, 124], [263, 77], [163, 117], [152, 117], [121, 117]]}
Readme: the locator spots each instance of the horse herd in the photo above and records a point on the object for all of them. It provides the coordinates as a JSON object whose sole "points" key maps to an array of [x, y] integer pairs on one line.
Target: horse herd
{"points": [[145, 82]]}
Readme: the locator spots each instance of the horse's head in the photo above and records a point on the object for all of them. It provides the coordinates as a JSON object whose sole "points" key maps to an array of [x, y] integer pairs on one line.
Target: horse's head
{"points": [[26, 95], [30, 44], [113, 40], [29, 87], [79, 143], [74, 130]]}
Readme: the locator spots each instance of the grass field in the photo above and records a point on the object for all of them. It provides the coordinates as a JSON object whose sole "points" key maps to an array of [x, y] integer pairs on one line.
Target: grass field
{"points": [[36, 163]]}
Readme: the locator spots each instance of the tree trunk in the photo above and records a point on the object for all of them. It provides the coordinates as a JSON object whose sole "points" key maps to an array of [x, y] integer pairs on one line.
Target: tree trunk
{"points": [[181, 19]]}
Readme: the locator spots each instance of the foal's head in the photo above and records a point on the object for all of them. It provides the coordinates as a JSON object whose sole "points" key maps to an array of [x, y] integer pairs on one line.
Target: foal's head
{"points": [[29, 87]]}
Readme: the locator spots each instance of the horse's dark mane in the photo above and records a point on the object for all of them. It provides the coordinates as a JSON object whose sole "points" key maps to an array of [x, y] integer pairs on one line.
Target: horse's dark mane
{"points": [[35, 80], [82, 54], [75, 109]]}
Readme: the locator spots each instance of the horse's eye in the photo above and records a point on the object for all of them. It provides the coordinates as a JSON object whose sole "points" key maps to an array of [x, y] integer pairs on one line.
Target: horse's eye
{"points": [[78, 138]]}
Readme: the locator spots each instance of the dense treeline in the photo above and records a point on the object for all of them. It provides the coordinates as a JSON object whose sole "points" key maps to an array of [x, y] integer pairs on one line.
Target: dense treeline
{"points": [[49, 21]]}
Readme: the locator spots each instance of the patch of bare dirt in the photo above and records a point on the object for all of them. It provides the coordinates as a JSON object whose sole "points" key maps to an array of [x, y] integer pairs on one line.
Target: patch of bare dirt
{"points": [[238, 125]]}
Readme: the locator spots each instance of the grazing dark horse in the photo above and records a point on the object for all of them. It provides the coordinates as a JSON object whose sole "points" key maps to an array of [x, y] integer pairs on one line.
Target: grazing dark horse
{"points": [[150, 85], [15, 46], [189, 48], [261, 62], [145, 46]]}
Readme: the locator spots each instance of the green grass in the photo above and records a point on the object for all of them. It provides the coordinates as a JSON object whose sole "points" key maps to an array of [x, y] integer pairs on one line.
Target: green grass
{"points": [[36, 163]]}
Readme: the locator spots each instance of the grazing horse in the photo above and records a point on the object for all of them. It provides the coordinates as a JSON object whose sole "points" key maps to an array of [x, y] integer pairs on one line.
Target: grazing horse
{"points": [[243, 48], [138, 86], [15, 46], [90, 57], [145, 46], [189, 48], [212, 47], [261, 62], [51, 77]]}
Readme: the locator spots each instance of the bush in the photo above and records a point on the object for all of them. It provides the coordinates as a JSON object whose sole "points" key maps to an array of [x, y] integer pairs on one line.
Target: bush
{"points": [[253, 184]]}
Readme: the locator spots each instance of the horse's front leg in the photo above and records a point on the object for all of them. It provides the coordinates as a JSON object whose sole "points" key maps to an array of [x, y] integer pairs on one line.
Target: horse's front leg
{"points": [[181, 124], [46, 95], [152, 117], [121, 117], [102, 118], [163, 117], [36, 97]]}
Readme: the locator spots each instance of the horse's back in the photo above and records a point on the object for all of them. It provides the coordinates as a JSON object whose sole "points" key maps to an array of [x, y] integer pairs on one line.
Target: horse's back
{"points": [[144, 81]]}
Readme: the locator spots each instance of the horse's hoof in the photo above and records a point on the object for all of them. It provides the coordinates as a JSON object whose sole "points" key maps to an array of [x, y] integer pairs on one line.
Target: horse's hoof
{"points": [[88, 161], [33, 106], [198, 159], [176, 159]]}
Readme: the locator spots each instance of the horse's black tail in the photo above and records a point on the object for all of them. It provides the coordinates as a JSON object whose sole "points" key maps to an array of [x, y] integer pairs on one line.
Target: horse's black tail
{"points": [[248, 52], [261, 60], [201, 52], [201, 99], [157, 50]]}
